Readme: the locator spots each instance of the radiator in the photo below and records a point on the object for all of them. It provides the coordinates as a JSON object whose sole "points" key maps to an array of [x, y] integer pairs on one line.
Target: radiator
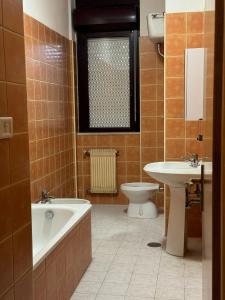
{"points": [[103, 171]]}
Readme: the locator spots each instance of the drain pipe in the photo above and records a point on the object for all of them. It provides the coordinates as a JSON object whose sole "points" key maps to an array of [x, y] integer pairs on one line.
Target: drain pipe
{"points": [[159, 50]]}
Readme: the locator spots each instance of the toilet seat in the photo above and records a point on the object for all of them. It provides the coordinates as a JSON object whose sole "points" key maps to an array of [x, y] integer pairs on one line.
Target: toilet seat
{"points": [[140, 186]]}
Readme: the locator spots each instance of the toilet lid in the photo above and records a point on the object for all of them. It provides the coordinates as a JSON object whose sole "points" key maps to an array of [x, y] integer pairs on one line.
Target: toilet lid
{"points": [[140, 186]]}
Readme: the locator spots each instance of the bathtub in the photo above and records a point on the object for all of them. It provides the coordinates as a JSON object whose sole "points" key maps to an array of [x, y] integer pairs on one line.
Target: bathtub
{"points": [[51, 223]]}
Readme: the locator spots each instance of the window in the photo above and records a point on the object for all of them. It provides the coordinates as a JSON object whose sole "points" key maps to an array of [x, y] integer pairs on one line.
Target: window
{"points": [[108, 81]]}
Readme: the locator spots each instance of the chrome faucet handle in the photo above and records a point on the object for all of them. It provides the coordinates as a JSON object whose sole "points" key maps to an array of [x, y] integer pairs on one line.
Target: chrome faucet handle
{"points": [[44, 194]]}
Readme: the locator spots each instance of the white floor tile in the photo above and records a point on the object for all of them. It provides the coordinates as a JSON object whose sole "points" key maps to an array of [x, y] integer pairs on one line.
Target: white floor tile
{"points": [[144, 279], [113, 289], [138, 298], [169, 293], [96, 266], [193, 294], [118, 277], [94, 276], [170, 281], [86, 287], [121, 267], [138, 290], [109, 297], [77, 296]]}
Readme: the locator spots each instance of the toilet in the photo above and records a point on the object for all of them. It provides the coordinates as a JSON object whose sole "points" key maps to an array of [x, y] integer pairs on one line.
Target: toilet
{"points": [[140, 195]]}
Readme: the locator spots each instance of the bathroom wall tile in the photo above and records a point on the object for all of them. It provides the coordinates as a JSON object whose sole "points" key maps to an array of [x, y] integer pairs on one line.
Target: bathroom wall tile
{"points": [[2, 61], [146, 45], [160, 108], [175, 44], [148, 60], [194, 146], [8, 295], [4, 162], [6, 264], [148, 139], [13, 15], [3, 101], [174, 88], [148, 108], [14, 58], [175, 66], [175, 108], [176, 23], [1, 12], [133, 140], [160, 92], [20, 197], [175, 128], [23, 287], [160, 76], [148, 92], [6, 219], [118, 140], [16, 99], [149, 155], [148, 76], [195, 22], [192, 128], [22, 242], [104, 141], [148, 124], [132, 154], [195, 41], [18, 154], [175, 148], [50, 111]]}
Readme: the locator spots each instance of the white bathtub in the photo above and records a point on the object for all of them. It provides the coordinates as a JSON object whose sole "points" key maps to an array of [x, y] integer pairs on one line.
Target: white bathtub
{"points": [[47, 233]]}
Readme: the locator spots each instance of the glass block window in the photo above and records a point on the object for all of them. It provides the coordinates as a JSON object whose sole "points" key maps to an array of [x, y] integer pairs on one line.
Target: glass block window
{"points": [[109, 82]]}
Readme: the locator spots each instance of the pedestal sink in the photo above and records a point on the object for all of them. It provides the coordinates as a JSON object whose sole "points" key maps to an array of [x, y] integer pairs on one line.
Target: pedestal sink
{"points": [[176, 175]]}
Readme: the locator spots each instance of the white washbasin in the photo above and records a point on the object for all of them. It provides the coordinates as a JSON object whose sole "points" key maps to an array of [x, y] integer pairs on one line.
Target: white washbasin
{"points": [[175, 173]]}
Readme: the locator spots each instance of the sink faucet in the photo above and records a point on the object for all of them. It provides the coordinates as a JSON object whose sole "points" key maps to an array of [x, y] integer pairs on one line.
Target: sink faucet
{"points": [[194, 160], [45, 197]]}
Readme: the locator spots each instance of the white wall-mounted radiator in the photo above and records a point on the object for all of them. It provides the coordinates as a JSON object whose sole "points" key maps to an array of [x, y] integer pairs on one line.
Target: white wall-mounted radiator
{"points": [[103, 171]]}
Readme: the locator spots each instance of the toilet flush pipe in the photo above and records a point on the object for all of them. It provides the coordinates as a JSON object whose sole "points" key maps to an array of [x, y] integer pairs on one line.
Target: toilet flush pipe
{"points": [[159, 50]]}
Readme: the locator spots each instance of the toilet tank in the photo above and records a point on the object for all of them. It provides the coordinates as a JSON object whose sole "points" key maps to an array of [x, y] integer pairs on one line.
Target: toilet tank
{"points": [[156, 27]]}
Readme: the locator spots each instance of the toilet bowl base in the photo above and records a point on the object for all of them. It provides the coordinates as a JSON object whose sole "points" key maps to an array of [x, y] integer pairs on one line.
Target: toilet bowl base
{"points": [[147, 210]]}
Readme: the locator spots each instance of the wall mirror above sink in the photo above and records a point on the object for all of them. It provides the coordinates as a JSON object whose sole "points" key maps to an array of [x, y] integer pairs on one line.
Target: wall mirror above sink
{"points": [[194, 83]]}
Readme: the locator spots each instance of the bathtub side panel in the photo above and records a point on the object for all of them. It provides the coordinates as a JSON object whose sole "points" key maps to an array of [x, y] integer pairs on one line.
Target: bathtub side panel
{"points": [[63, 268], [85, 243]]}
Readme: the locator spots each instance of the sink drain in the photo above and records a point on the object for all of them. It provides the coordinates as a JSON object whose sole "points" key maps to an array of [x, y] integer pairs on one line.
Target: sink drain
{"points": [[154, 245]]}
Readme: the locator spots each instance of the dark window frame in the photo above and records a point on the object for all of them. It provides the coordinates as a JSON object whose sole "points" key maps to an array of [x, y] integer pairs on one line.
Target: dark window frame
{"points": [[83, 93]]}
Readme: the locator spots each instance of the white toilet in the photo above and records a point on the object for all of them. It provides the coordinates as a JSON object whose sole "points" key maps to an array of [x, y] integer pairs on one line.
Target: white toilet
{"points": [[140, 195]]}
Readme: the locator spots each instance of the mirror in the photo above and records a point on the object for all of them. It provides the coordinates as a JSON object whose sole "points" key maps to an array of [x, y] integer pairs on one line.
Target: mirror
{"points": [[194, 83]]}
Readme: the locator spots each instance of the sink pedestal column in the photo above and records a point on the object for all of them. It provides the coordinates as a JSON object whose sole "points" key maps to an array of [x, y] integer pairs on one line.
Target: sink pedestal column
{"points": [[176, 233]]}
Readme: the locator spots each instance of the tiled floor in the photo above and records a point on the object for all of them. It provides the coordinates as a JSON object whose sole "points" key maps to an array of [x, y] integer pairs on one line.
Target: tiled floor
{"points": [[124, 268]]}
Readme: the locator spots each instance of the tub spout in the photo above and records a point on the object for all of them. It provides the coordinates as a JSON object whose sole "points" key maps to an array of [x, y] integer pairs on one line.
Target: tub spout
{"points": [[45, 197]]}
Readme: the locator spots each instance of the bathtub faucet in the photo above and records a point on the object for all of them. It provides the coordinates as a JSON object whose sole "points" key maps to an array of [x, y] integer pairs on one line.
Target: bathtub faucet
{"points": [[45, 197]]}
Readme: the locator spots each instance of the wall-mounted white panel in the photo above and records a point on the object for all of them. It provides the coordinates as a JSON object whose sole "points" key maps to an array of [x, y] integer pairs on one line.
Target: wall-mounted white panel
{"points": [[184, 5], [210, 5], [55, 14], [194, 83], [146, 7]]}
